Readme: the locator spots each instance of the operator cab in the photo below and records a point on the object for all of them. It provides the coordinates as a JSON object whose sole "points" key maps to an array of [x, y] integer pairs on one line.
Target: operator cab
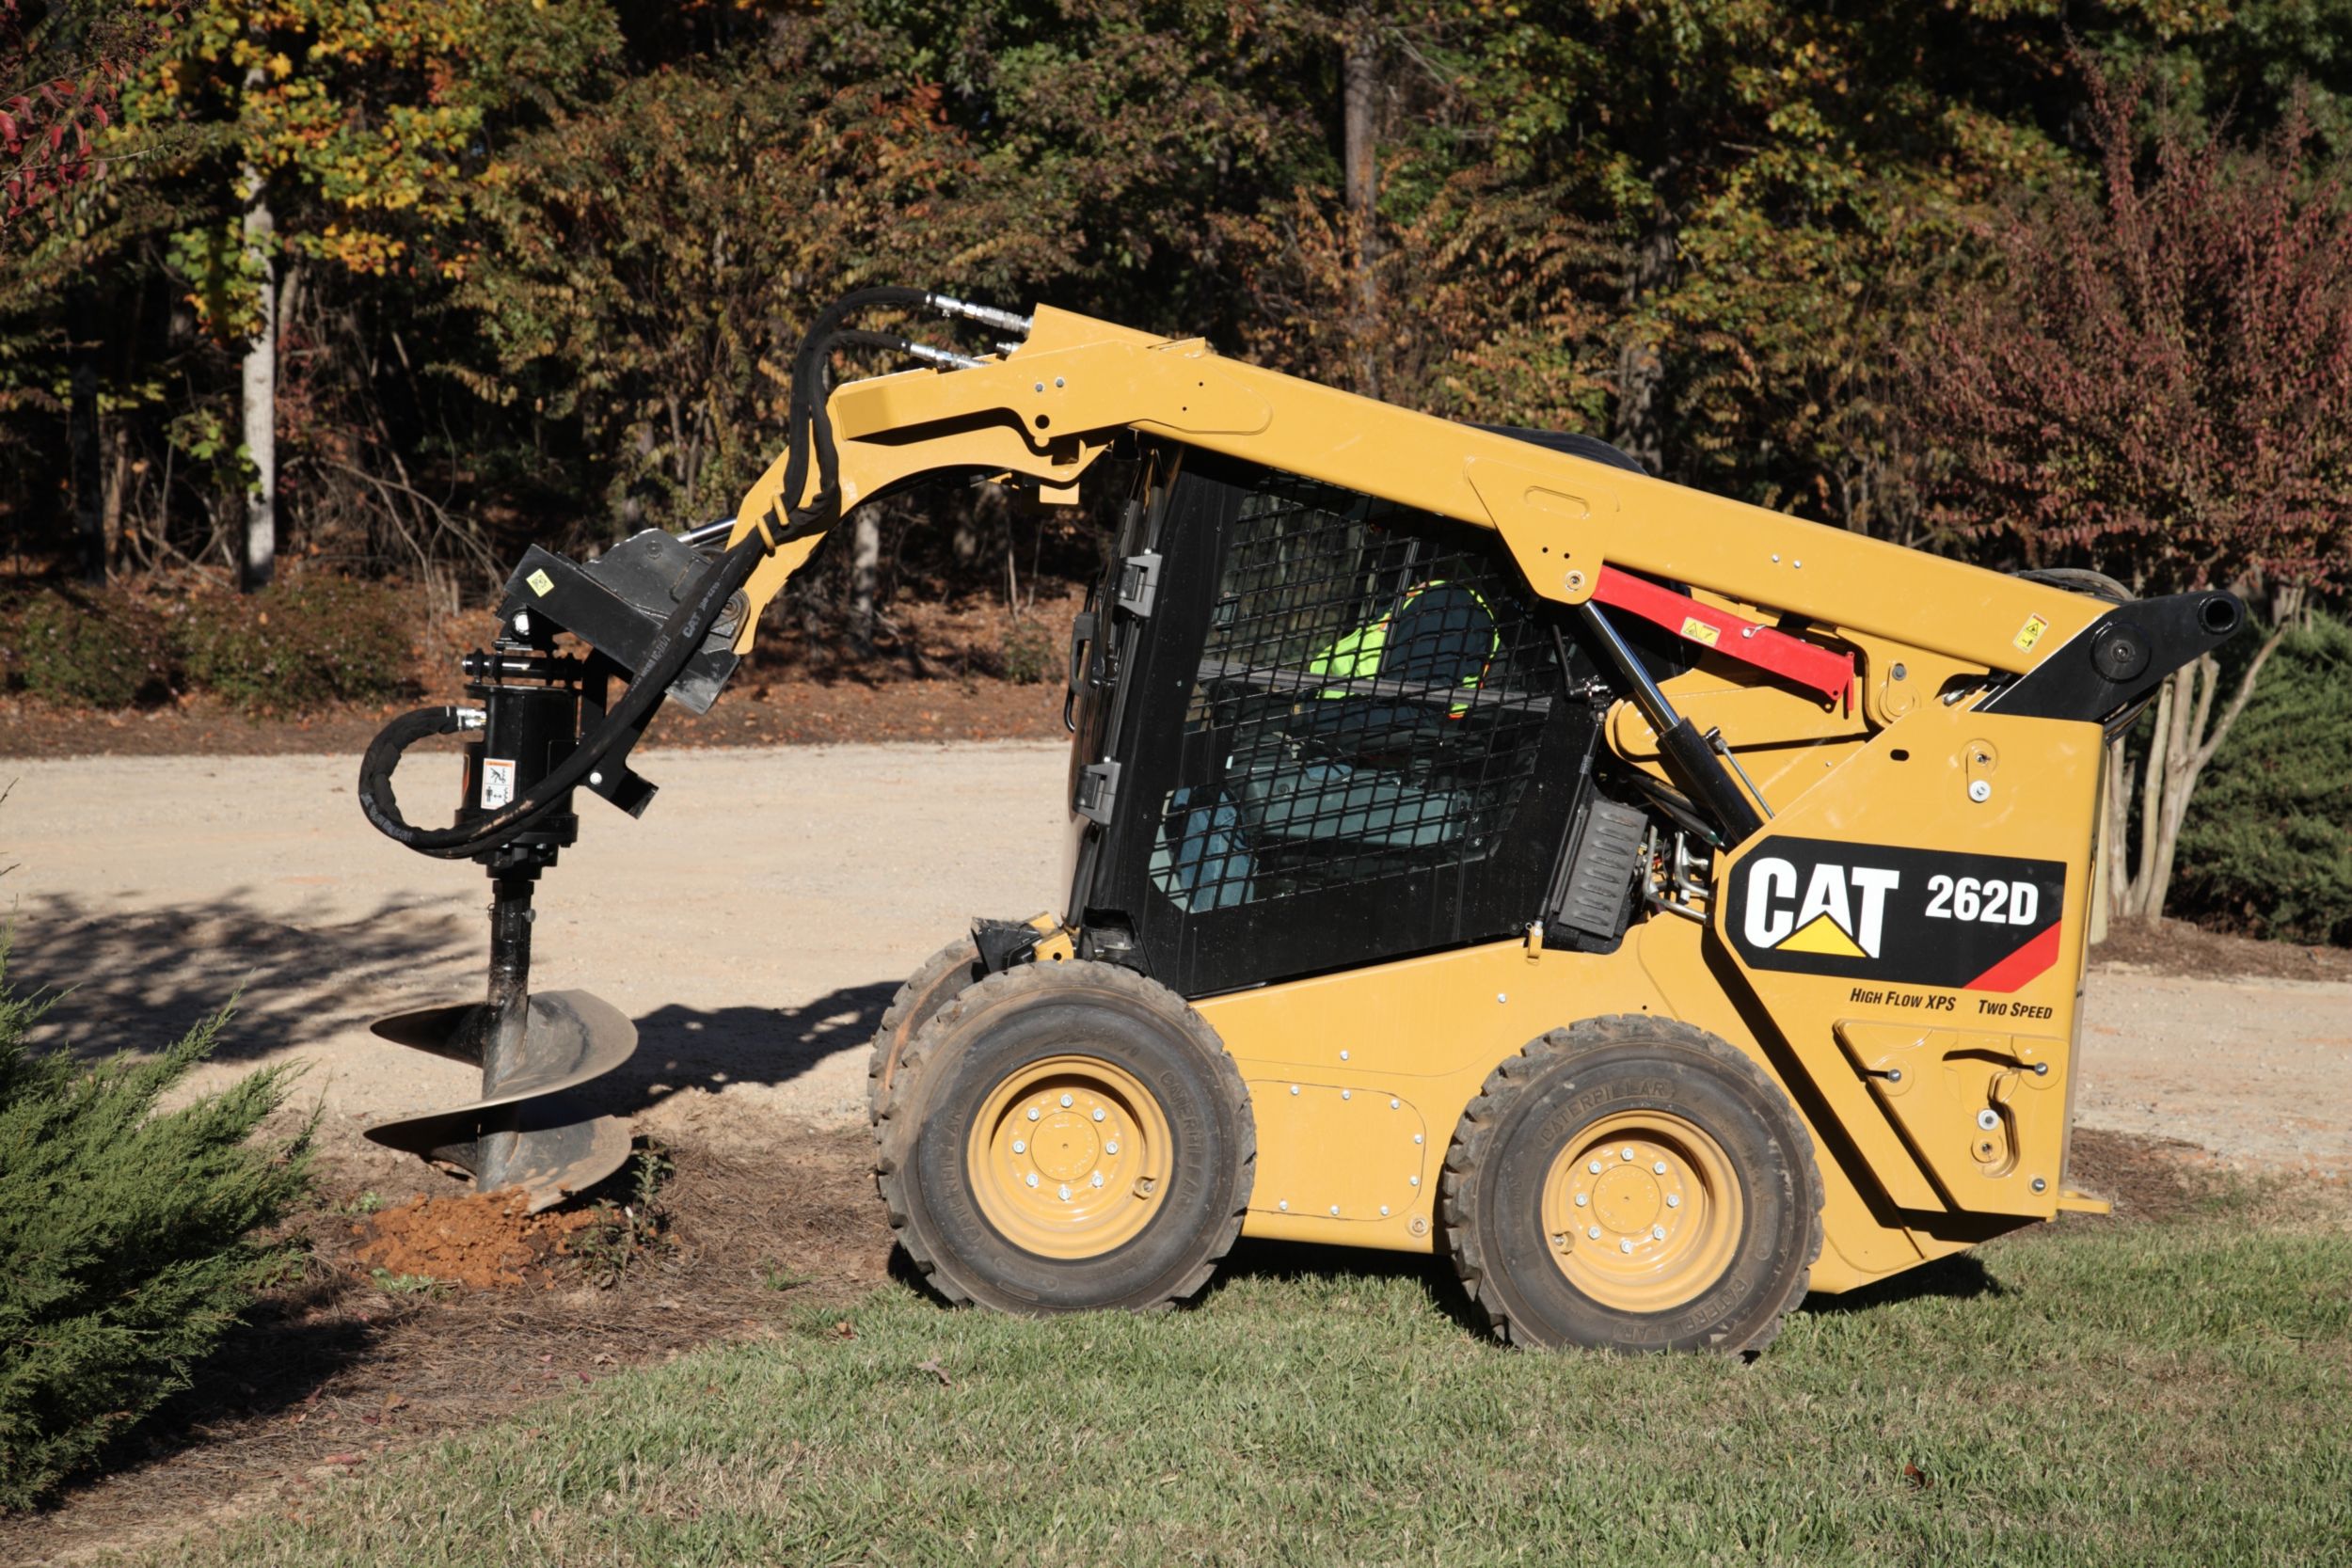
{"points": [[1316, 730]]}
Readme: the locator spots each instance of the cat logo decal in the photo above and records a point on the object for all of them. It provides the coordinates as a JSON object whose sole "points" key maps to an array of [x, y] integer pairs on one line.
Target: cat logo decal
{"points": [[1918, 916]]}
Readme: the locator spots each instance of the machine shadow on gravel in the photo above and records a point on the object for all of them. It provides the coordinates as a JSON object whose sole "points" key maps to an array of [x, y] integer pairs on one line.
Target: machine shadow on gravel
{"points": [[692, 1048], [140, 981]]}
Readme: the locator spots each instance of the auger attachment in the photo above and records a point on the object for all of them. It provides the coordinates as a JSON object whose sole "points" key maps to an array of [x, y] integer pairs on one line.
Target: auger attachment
{"points": [[658, 614], [533, 1128]]}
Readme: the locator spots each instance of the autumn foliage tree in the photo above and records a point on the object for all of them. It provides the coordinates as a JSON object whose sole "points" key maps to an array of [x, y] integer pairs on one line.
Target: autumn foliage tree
{"points": [[319, 141], [2156, 381], [62, 71]]}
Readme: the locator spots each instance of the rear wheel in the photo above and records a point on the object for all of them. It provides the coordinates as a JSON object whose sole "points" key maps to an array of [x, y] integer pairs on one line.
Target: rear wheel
{"points": [[1062, 1137], [928, 989], [1633, 1184]]}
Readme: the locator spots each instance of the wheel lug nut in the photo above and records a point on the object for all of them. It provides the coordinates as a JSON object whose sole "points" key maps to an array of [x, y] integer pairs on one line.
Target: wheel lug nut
{"points": [[1098, 1181], [1674, 1200], [1030, 1178], [1593, 1167], [1658, 1232], [1658, 1168], [1111, 1146], [1021, 1146], [1067, 1103], [1035, 1113], [1625, 1244], [1064, 1190], [1625, 1154], [1580, 1198], [1594, 1232]]}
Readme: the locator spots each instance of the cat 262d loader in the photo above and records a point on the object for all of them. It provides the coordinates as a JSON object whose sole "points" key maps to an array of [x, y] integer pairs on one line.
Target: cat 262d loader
{"points": [[1663, 906]]}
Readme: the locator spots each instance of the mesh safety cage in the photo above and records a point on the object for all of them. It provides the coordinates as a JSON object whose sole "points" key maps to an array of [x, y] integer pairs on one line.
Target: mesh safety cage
{"points": [[1369, 704]]}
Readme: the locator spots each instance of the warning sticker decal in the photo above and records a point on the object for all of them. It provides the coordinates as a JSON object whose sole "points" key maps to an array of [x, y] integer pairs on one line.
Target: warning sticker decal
{"points": [[1923, 917], [497, 782]]}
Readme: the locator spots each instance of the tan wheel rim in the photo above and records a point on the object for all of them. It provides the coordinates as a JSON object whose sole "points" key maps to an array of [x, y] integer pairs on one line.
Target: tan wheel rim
{"points": [[1641, 1211], [1068, 1156]]}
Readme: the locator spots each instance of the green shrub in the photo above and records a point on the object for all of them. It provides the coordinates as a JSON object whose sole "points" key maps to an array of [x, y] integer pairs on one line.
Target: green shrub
{"points": [[1029, 654], [108, 648], [126, 1238], [295, 646], [2267, 843]]}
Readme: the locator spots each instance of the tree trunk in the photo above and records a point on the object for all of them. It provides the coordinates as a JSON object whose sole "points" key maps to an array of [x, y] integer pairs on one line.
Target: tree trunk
{"points": [[2151, 805], [259, 390], [90, 517], [1360, 99], [864, 574], [1641, 361], [2189, 733], [118, 480]]}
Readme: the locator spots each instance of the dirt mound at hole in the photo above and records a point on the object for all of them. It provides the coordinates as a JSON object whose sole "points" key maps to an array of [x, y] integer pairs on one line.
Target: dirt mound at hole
{"points": [[483, 1241]]}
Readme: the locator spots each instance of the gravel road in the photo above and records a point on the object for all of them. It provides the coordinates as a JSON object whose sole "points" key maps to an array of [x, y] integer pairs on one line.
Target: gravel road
{"points": [[756, 923]]}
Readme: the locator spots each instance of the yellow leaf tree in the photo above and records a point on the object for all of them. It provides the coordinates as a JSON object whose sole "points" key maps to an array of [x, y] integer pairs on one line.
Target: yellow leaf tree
{"points": [[333, 134]]}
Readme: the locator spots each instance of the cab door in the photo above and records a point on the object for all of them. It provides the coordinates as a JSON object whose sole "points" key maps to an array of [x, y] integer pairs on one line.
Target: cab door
{"points": [[1104, 644], [1337, 732]]}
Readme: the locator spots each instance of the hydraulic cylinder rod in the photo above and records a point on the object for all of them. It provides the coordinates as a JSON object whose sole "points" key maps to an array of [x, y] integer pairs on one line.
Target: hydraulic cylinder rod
{"points": [[1678, 741]]}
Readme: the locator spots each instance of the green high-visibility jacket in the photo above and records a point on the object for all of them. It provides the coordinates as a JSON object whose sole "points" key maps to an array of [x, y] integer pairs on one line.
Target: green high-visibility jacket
{"points": [[1357, 654]]}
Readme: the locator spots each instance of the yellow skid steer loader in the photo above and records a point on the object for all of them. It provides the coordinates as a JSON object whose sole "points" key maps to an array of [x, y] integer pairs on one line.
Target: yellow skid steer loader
{"points": [[1663, 906]]}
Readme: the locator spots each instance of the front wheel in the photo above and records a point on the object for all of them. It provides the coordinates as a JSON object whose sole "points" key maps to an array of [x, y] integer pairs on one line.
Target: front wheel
{"points": [[1065, 1137], [928, 989], [1633, 1184]]}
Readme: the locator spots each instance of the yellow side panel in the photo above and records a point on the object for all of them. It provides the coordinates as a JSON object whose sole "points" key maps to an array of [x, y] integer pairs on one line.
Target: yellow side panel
{"points": [[1934, 1083], [1337, 1152], [1913, 929]]}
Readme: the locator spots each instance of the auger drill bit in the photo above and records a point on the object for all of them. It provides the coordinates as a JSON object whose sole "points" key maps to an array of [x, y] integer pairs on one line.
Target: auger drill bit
{"points": [[529, 1129]]}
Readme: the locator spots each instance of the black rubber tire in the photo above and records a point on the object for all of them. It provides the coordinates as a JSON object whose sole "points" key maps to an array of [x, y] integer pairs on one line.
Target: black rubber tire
{"points": [[989, 1031], [1565, 1081], [938, 978]]}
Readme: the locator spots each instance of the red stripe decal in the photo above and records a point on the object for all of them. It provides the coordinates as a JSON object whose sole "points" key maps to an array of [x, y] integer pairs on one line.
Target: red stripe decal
{"points": [[2038, 954], [1792, 658]]}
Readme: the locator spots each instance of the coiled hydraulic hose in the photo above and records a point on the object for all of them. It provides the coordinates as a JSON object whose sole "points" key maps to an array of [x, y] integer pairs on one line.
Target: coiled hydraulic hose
{"points": [[680, 635]]}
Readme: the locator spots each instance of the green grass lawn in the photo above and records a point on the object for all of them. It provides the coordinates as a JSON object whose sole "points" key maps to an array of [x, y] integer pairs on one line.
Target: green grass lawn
{"points": [[2095, 1392]]}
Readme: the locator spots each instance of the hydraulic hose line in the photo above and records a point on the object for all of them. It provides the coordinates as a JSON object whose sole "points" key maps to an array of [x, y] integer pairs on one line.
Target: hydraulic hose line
{"points": [[810, 436]]}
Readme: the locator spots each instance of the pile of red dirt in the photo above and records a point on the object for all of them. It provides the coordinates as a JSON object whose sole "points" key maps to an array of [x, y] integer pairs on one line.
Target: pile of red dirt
{"points": [[483, 1241]]}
